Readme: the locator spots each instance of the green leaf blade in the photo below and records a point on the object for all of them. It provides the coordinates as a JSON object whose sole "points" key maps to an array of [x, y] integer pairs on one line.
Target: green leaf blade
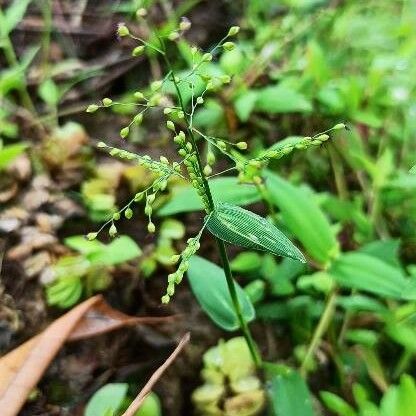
{"points": [[120, 250], [108, 398], [243, 228], [304, 218], [289, 395], [281, 99], [13, 16], [368, 273], [209, 286]]}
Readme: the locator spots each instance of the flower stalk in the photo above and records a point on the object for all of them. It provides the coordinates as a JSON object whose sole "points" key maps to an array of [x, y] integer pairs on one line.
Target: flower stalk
{"points": [[210, 206]]}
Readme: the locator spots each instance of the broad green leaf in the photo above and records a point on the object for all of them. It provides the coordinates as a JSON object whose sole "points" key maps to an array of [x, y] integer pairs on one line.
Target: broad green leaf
{"points": [[279, 276], [244, 228], [289, 395], [9, 153], [118, 251], [281, 99], [331, 99], [209, 286], [208, 68], [368, 117], [226, 189], [317, 63], [370, 274], [304, 218], [364, 337], [108, 398]]}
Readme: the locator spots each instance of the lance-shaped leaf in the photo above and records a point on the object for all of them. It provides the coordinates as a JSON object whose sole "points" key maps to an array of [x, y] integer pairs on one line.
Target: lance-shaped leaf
{"points": [[304, 218], [243, 228], [370, 274]]}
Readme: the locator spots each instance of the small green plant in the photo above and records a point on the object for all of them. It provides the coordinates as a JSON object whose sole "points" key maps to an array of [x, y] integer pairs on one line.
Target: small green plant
{"points": [[89, 271], [230, 383], [179, 95]]}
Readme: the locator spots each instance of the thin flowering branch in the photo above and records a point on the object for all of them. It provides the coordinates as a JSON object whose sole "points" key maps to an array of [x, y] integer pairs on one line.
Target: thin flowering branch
{"points": [[180, 121], [175, 278]]}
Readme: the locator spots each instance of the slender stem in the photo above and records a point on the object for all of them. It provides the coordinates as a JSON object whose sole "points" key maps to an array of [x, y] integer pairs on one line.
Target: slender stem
{"points": [[236, 304], [221, 246], [319, 331]]}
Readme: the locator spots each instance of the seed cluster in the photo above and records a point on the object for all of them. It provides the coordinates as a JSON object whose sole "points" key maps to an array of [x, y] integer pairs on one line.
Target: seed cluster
{"points": [[249, 169], [180, 115], [176, 277], [161, 168], [187, 152]]}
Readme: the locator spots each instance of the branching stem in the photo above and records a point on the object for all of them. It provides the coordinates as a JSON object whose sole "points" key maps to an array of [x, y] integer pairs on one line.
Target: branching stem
{"points": [[221, 246]]}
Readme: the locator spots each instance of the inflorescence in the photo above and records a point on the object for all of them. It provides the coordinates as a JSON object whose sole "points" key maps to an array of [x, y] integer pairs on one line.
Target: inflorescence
{"points": [[180, 123]]}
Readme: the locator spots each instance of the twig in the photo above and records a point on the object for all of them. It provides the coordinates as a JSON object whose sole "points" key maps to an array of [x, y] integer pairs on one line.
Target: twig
{"points": [[138, 401]]}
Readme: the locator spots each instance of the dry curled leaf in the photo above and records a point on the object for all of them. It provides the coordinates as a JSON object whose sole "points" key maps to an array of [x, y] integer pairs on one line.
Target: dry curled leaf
{"points": [[22, 368]]}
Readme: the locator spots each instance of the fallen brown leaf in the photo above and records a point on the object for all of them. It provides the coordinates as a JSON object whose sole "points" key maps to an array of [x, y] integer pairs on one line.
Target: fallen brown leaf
{"points": [[22, 368]]}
